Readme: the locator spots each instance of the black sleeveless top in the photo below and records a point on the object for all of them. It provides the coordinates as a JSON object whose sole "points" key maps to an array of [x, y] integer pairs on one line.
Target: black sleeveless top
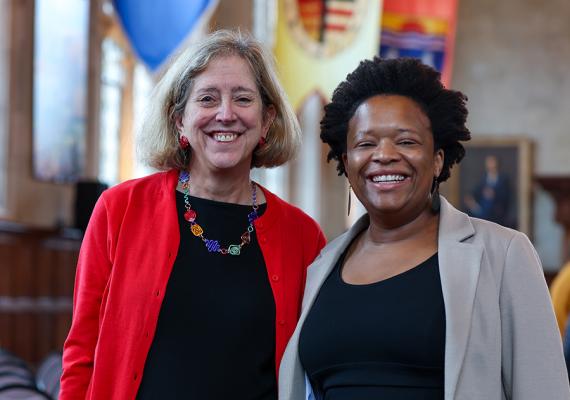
{"points": [[215, 337], [384, 340]]}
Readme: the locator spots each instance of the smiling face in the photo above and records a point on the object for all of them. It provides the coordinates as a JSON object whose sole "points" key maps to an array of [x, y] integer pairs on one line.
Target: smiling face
{"points": [[224, 118], [390, 159]]}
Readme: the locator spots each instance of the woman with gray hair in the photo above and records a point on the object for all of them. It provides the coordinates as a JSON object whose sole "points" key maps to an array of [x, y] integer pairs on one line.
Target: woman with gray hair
{"points": [[189, 280]]}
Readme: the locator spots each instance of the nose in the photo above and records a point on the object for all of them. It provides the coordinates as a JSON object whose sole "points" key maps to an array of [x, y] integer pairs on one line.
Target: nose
{"points": [[226, 112], [386, 151]]}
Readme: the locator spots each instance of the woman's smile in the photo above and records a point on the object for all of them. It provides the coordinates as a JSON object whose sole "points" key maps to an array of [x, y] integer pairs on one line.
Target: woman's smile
{"points": [[388, 180], [224, 118], [224, 137], [390, 160]]}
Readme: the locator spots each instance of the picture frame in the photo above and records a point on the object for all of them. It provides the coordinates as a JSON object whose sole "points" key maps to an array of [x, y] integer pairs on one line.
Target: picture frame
{"points": [[506, 197]]}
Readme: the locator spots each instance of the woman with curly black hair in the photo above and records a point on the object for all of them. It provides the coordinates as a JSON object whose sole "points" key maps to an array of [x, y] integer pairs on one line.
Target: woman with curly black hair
{"points": [[417, 300]]}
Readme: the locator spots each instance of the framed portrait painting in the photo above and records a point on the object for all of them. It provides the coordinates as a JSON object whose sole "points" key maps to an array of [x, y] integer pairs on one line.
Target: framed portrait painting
{"points": [[494, 181]]}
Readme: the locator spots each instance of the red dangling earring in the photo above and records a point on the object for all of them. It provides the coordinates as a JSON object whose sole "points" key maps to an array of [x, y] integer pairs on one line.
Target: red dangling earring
{"points": [[183, 141], [262, 142]]}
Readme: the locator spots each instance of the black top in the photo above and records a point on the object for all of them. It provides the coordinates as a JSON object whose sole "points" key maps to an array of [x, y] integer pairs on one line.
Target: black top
{"points": [[215, 337], [384, 340]]}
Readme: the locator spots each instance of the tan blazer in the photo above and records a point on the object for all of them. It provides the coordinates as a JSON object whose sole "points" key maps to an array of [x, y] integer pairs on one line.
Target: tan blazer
{"points": [[502, 341]]}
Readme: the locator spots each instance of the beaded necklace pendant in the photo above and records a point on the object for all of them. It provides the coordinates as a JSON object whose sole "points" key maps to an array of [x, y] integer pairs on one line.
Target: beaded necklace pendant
{"points": [[212, 245]]}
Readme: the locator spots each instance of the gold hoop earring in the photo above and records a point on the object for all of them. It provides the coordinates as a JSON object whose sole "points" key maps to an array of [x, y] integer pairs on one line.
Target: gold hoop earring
{"points": [[435, 202], [349, 198]]}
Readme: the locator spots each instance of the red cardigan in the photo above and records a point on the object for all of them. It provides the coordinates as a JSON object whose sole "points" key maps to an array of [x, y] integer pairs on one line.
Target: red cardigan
{"points": [[124, 264]]}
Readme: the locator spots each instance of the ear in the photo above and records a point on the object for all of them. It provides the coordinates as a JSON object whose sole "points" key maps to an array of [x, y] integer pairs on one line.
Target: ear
{"points": [[439, 157], [179, 125], [268, 118]]}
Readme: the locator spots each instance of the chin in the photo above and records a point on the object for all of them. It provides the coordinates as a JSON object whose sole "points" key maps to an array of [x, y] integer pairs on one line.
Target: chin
{"points": [[224, 163], [384, 206]]}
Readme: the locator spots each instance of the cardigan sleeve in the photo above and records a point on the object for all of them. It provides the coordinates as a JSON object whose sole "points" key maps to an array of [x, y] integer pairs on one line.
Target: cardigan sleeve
{"points": [[93, 271], [532, 359]]}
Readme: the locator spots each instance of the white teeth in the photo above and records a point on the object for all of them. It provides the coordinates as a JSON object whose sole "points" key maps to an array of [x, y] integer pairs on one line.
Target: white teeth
{"points": [[388, 178], [224, 137]]}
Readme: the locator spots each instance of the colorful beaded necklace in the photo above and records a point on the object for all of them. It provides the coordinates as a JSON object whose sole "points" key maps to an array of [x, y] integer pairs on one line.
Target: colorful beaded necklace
{"points": [[213, 246]]}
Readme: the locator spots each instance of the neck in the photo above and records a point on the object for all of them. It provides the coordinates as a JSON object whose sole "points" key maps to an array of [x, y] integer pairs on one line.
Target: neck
{"points": [[224, 186], [386, 230]]}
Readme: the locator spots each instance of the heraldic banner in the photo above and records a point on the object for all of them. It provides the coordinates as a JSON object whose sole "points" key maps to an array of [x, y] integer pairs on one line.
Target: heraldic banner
{"points": [[423, 29], [320, 41]]}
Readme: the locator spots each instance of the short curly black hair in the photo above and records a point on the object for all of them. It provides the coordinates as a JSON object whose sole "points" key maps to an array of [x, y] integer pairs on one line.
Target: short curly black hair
{"points": [[408, 77]]}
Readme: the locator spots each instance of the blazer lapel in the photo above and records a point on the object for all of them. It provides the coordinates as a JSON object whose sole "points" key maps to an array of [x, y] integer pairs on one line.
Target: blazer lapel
{"points": [[459, 266]]}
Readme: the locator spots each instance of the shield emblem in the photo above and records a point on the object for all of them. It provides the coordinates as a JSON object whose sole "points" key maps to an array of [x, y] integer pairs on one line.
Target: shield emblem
{"points": [[324, 27]]}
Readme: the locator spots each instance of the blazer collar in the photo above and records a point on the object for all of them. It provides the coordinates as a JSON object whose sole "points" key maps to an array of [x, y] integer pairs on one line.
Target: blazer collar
{"points": [[454, 225], [459, 266], [454, 228]]}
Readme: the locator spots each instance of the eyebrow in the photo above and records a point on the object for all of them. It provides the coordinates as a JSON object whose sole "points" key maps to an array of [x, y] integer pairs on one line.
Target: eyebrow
{"points": [[243, 89], [398, 131], [407, 130], [212, 89]]}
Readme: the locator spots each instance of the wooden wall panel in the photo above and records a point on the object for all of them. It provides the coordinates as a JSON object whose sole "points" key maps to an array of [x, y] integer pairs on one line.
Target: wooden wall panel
{"points": [[37, 270]]}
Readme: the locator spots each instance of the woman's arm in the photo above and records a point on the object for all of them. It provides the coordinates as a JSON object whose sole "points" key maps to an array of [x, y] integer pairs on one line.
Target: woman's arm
{"points": [[532, 359], [93, 270]]}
